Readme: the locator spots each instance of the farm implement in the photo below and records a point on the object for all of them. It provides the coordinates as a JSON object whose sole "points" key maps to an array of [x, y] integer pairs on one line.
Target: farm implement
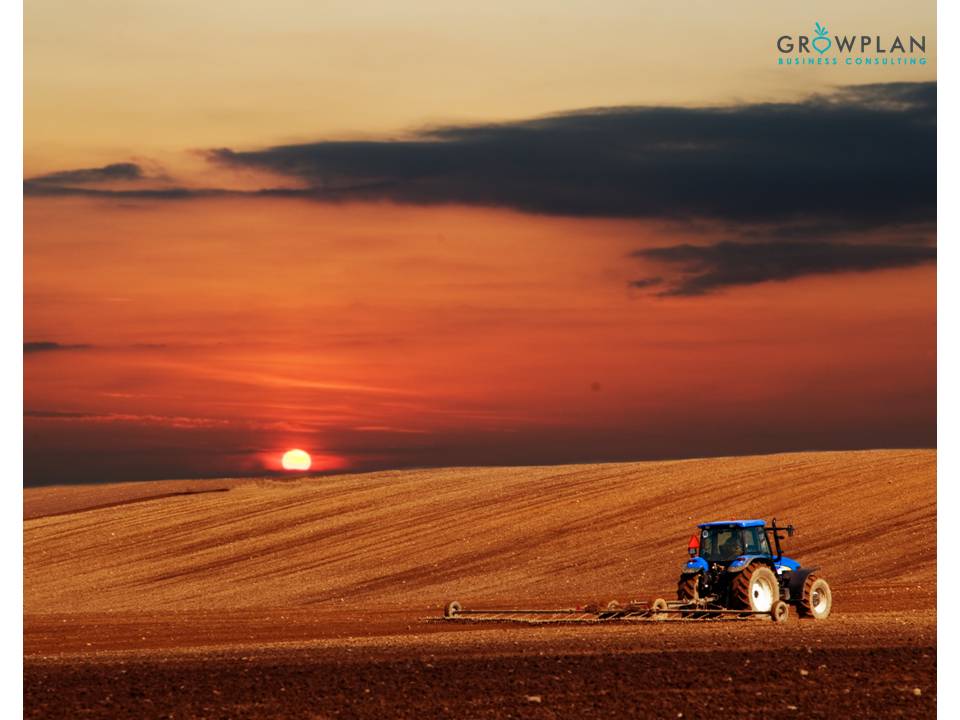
{"points": [[737, 570]]}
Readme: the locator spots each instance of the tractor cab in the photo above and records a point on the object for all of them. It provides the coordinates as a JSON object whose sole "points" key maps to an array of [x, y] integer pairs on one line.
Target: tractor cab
{"points": [[724, 542], [734, 543]]}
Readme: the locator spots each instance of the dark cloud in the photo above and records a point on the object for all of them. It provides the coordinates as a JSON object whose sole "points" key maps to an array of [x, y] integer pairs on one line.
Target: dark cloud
{"points": [[707, 268], [42, 346], [861, 155], [167, 193], [646, 282], [82, 176], [856, 158], [83, 182], [174, 193]]}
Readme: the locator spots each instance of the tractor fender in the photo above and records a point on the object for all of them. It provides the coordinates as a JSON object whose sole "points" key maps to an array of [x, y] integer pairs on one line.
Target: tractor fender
{"points": [[744, 561], [797, 579], [695, 565], [785, 563]]}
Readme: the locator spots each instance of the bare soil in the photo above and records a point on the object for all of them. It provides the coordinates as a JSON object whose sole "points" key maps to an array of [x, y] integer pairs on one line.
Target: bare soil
{"points": [[318, 598]]}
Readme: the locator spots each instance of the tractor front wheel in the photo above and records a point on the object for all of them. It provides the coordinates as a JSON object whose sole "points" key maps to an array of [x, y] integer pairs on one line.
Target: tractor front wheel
{"points": [[817, 600], [755, 588]]}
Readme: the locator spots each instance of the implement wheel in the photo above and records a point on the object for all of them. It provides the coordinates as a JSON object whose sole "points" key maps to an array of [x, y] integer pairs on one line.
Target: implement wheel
{"points": [[452, 609], [780, 611], [756, 588], [657, 606], [817, 600]]}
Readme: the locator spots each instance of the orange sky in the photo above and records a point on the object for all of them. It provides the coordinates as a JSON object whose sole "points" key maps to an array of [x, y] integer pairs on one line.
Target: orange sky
{"points": [[205, 336], [223, 332]]}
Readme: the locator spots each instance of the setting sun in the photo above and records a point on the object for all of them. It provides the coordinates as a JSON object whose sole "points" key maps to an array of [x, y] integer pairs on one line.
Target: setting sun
{"points": [[295, 460]]}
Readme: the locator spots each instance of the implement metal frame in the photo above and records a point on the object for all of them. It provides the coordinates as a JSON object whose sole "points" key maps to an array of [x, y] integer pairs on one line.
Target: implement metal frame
{"points": [[654, 611]]}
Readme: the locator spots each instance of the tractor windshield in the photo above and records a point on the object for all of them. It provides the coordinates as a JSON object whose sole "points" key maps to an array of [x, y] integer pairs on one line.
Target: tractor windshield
{"points": [[723, 544]]}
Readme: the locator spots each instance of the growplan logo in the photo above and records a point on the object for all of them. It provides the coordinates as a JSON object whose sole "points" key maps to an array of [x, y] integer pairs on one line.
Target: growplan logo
{"points": [[822, 48]]}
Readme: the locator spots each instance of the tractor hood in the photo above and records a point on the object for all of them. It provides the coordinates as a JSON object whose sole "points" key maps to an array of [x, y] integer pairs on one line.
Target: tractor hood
{"points": [[695, 565], [698, 564], [781, 564]]}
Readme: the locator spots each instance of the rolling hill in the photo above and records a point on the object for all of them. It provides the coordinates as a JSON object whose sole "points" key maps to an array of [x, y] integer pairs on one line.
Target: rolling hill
{"points": [[416, 538]]}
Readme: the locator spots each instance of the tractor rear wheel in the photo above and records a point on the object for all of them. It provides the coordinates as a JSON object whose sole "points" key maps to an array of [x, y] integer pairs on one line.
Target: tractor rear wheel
{"points": [[817, 600], [688, 591], [688, 588], [755, 588]]}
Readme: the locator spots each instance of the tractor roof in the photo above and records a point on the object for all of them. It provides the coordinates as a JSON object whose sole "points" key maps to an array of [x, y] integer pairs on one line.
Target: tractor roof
{"points": [[733, 523]]}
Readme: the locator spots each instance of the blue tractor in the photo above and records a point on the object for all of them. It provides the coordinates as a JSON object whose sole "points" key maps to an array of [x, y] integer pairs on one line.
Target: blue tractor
{"points": [[739, 565]]}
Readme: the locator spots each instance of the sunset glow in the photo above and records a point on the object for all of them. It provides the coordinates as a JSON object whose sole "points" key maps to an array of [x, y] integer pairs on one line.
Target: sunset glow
{"points": [[295, 460]]}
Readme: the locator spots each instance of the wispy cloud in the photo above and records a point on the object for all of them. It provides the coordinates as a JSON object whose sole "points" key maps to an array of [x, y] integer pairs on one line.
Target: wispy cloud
{"points": [[82, 176], [274, 380], [167, 420], [701, 269], [125, 179], [45, 346], [177, 422]]}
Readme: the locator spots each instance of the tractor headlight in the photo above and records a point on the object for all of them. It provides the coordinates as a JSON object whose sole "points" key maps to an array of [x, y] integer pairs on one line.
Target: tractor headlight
{"points": [[738, 562]]}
